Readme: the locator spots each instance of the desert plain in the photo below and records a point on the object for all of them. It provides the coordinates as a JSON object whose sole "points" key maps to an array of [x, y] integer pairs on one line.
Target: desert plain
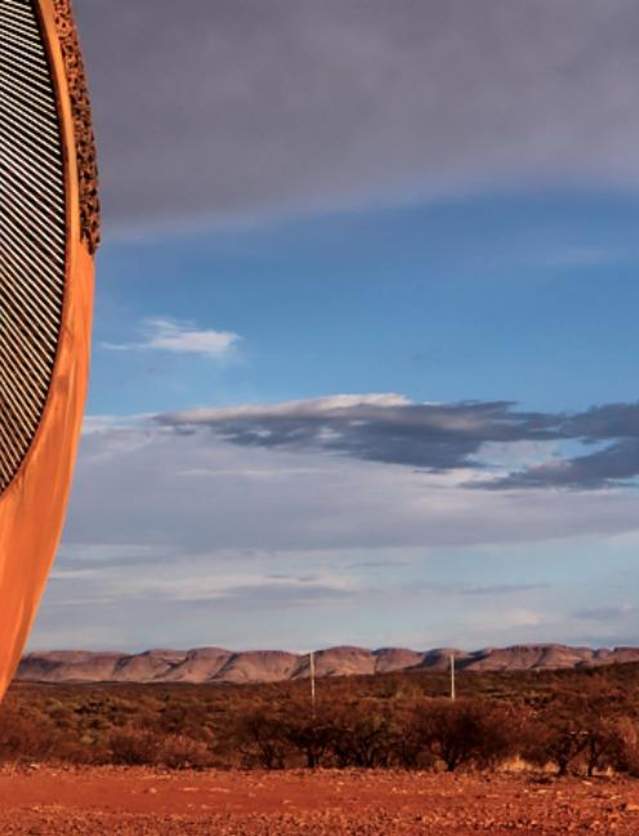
{"points": [[115, 800], [533, 751]]}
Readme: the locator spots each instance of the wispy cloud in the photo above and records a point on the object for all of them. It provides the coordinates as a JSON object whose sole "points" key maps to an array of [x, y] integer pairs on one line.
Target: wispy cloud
{"points": [[177, 337], [606, 614], [581, 257]]}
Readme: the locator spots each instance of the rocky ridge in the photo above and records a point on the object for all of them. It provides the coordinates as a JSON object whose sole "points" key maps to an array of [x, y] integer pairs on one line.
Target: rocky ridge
{"points": [[215, 664]]}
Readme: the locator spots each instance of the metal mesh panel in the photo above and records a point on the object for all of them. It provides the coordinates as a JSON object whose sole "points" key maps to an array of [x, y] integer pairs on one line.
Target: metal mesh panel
{"points": [[32, 231]]}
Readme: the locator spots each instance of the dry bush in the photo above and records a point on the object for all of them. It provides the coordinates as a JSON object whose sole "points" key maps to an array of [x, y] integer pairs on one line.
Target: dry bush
{"points": [[177, 751], [132, 746], [604, 745], [364, 737], [143, 747], [586, 730], [260, 738], [576, 720], [26, 735], [620, 747]]}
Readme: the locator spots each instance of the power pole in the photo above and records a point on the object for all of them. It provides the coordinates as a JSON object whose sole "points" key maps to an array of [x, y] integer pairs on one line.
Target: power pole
{"points": [[452, 677], [311, 662]]}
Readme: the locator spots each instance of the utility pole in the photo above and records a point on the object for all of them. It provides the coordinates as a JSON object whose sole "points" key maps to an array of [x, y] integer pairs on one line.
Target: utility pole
{"points": [[452, 677], [311, 662]]}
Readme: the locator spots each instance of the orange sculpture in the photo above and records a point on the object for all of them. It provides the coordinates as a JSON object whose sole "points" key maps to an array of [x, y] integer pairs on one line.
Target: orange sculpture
{"points": [[49, 232]]}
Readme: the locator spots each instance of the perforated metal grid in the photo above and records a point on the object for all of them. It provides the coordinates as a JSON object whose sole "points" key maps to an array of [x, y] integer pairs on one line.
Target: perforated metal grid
{"points": [[32, 231]]}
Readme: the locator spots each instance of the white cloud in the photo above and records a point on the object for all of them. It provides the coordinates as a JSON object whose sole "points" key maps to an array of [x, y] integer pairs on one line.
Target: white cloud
{"points": [[301, 408], [164, 334]]}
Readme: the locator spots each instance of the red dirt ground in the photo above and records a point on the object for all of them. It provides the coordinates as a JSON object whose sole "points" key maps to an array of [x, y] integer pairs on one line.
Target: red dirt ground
{"points": [[46, 801]]}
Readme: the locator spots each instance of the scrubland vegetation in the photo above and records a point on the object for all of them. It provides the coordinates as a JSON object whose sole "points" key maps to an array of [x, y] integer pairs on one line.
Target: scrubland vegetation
{"points": [[564, 722]]}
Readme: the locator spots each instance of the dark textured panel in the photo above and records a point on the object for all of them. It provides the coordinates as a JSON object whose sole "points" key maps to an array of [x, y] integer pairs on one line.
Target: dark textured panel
{"points": [[86, 156], [32, 232]]}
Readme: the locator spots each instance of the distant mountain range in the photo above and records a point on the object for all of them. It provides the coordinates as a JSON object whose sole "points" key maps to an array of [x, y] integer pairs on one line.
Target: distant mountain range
{"points": [[214, 664]]}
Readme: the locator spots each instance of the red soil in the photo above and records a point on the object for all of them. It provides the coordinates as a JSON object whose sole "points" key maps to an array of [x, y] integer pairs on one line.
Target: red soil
{"points": [[140, 801]]}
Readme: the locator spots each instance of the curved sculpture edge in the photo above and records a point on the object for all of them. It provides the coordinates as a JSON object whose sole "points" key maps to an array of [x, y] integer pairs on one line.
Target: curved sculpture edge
{"points": [[33, 506]]}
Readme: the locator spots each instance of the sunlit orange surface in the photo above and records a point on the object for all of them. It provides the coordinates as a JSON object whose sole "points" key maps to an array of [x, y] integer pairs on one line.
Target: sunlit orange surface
{"points": [[32, 508]]}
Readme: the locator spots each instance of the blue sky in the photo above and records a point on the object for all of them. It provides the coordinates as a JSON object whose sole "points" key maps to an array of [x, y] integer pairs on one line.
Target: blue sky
{"points": [[365, 348], [491, 297]]}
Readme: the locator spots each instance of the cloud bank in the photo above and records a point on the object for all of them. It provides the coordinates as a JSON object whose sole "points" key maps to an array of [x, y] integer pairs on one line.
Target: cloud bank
{"points": [[439, 437], [242, 109], [224, 526]]}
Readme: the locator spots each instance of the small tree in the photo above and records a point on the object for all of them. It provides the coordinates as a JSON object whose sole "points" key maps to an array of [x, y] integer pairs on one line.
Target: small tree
{"points": [[364, 737], [311, 735], [580, 729], [468, 731]]}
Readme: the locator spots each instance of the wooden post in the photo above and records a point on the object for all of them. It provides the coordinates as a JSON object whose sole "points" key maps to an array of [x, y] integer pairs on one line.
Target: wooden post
{"points": [[452, 677], [311, 662]]}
